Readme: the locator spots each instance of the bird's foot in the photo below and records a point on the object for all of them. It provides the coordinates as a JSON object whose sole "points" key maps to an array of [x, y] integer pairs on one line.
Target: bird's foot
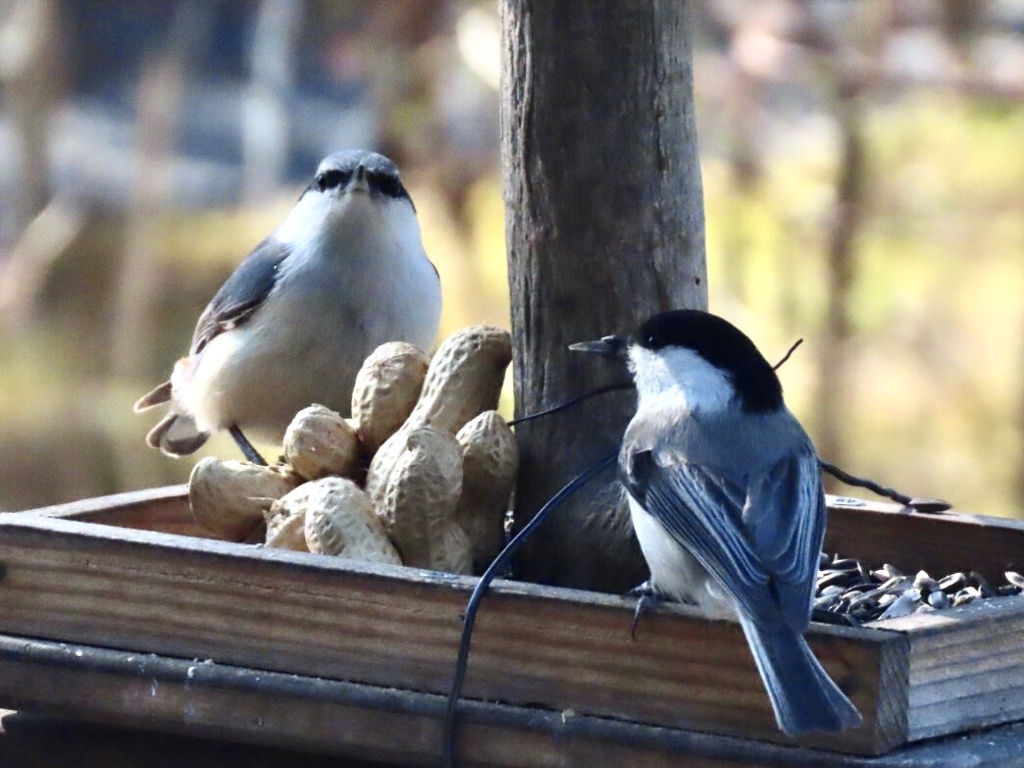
{"points": [[649, 597], [247, 449]]}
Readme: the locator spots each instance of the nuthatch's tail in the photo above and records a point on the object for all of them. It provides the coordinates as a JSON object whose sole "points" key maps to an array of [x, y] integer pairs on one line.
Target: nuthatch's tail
{"points": [[176, 434], [803, 695]]}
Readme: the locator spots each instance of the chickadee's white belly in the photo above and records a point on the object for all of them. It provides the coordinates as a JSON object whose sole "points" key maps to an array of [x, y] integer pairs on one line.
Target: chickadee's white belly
{"points": [[675, 573]]}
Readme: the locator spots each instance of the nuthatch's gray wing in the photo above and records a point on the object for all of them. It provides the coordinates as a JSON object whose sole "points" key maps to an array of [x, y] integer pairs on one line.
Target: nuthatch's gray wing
{"points": [[242, 294], [239, 297]]}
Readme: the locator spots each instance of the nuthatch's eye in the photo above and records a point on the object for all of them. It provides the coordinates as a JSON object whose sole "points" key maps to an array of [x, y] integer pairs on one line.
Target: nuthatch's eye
{"points": [[387, 184], [331, 179]]}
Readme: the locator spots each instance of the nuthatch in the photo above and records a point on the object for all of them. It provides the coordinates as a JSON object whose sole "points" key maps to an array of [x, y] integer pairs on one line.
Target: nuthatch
{"points": [[344, 273]]}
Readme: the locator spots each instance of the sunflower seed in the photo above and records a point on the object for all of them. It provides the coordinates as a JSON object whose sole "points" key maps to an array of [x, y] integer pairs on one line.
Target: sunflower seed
{"points": [[983, 586], [925, 583], [850, 591], [844, 564], [902, 606], [966, 595], [953, 582], [824, 602], [887, 571], [832, 577]]}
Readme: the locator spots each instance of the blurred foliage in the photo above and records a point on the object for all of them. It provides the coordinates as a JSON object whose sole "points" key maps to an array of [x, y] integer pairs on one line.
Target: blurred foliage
{"points": [[937, 314], [935, 404]]}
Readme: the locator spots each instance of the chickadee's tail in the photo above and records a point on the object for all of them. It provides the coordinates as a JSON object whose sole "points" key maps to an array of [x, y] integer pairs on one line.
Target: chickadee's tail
{"points": [[803, 695], [176, 435]]}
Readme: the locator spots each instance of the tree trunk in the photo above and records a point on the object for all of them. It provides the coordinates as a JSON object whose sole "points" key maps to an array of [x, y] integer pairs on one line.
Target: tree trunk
{"points": [[605, 227], [834, 395], [31, 82]]}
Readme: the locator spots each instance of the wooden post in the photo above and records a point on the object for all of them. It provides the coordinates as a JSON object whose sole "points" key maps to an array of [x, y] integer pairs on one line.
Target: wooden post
{"points": [[605, 227]]}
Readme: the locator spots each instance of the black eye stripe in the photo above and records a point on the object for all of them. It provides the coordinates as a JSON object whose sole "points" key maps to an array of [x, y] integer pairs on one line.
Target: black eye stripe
{"points": [[331, 179], [386, 184]]}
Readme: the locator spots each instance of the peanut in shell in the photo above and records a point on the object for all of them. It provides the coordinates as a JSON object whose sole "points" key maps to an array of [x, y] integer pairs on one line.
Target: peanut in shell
{"points": [[286, 531], [230, 498], [419, 499], [338, 520], [319, 443], [386, 390], [464, 378], [490, 459], [383, 463], [453, 552]]}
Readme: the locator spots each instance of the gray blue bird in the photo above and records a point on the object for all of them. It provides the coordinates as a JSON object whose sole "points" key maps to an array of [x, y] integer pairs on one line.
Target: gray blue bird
{"points": [[344, 273], [726, 499]]}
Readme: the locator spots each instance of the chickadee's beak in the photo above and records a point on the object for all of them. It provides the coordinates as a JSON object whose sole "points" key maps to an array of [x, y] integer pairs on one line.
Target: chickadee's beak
{"points": [[610, 346]]}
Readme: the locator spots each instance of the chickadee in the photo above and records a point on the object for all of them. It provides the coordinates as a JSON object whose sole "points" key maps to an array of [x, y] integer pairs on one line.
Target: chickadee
{"points": [[344, 273], [725, 496]]}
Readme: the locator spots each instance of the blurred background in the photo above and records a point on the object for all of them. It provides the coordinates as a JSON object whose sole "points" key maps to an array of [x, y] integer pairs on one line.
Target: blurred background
{"points": [[864, 190]]}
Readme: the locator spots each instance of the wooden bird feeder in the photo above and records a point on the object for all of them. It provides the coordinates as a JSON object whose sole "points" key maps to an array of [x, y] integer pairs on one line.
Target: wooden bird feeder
{"points": [[118, 609]]}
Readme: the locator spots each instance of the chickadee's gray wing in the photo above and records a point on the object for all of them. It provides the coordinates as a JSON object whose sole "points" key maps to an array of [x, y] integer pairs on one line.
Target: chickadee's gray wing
{"points": [[786, 517], [704, 514], [242, 293]]}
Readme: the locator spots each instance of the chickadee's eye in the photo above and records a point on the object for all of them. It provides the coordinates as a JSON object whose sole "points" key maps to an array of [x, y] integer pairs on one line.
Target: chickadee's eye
{"points": [[331, 179], [653, 341]]}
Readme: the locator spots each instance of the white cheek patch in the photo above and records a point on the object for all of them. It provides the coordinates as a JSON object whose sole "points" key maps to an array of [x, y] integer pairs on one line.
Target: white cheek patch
{"points": [[682, 375]]}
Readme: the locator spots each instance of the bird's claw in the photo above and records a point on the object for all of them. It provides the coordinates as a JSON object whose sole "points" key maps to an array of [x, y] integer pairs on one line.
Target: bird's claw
{"points": [[648, 597]]}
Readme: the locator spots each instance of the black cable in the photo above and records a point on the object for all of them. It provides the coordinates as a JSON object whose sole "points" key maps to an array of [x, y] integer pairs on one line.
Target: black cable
{"points": [[496, 567], [860, 482], [573, 401]]}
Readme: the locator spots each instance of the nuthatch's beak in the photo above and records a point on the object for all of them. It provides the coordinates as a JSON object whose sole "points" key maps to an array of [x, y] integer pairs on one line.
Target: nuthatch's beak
{"points": [[359, 180], [610, 346]]}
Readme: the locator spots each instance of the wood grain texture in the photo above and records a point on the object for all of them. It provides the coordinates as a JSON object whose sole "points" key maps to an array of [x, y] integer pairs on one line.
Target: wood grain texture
{"points": [[392, 626], [965, 667], [154, 509], [940, 544], [251, 706], [32, 740], [605, 227]]}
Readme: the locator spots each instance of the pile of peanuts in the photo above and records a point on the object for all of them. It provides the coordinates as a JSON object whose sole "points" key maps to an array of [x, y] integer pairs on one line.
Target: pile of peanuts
{"points": [[420, 474]]}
